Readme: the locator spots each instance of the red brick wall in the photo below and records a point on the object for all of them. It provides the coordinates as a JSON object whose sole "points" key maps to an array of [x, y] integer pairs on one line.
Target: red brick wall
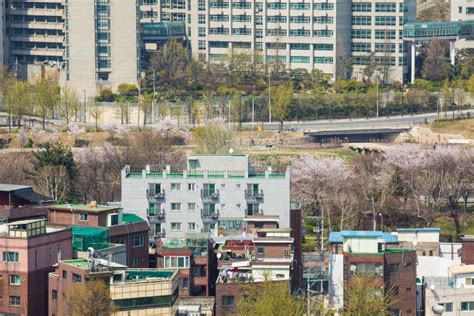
{"points": [[133, 252], [227, 289], [404, 280], [274, 250], [467, 252], [68, 218]]}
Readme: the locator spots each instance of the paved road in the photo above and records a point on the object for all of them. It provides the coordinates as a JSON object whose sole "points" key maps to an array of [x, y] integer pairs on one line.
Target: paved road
{"points": [[394, 121]]}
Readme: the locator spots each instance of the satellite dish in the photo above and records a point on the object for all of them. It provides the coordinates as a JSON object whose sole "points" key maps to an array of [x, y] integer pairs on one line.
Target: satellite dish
{"points": [[231, 151], [437, 309], [219, 255], [432, 287]]}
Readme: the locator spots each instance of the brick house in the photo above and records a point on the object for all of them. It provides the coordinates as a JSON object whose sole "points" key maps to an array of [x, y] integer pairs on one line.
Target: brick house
{"points": [[29, 250], [128, 229]]}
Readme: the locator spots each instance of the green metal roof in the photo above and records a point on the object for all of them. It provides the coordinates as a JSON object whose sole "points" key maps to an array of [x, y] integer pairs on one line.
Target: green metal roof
{"points": [[131, 218], [142, 274], [85, 207], [80, 263]]}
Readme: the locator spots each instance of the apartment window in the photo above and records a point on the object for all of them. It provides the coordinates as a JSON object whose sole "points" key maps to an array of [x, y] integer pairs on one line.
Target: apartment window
{"points": [[394, 268], [201, 5], [361, 47], [175, 186], [323, 6], [15, 279], [76, 278], [276, 5], [191, 227], [219, 31], [323, 19], [84, 216], [219, 5], [223, 184], [218, 45], [238, 205], [361, 7], [323, 33], [184, 283], [241, 31], [460, 9], [201, 45], [201, 19], [176, 262], [241, 18], [271, 59], [467, 306], [191, 206], [217, 57], [242, 45], [276, 19], [258, 20], [192, 186], [299, 46], [189, 31], [260, 252], [385, 20], [228, 300], [361, 20], [138, 241], [176, 206], [299, 59], [470, 10], [15, 301], [176, 227], [385, 34], [54, 294], [64, 274], [361, 34], [223, 206], [323, 60], [300, 19], [448, 307], [10, 256], [201, 31], [469, 281], [386, 7], [385, 47], [300, 32], [241, 5], [323, 47], [276, 32], [135, 261], [299, 6], [258, 33]]}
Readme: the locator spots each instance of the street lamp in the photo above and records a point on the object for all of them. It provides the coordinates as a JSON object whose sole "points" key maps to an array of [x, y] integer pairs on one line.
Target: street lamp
{"points": [[381, 221]]}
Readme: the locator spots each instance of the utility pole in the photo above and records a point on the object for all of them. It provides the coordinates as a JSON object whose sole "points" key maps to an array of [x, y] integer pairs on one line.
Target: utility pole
{"points": [[253, 113], [229, 113], [153, 105], [85, 105], [377, 95], [269, 100]]}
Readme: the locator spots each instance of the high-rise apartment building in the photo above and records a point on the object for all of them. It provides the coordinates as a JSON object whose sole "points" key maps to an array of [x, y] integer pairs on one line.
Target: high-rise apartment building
{"points": [[462, 10], [34, 32], [215, 193], [333, 36]]}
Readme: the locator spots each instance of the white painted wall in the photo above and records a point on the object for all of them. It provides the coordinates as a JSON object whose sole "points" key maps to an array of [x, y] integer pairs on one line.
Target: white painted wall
{"points": [[363, 245], [336, 281]]}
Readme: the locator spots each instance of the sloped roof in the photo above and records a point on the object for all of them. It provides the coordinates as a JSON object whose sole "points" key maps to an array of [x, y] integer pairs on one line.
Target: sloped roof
{"points": [[338, 237]]}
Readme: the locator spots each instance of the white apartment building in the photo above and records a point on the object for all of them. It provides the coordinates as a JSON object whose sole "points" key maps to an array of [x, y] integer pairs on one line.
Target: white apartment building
{"points": [[462, 10], [213, 193]]}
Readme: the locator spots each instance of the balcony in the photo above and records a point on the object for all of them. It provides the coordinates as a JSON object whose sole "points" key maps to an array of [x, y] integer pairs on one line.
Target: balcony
{"points": [[209, 196], [155, 197], [156, 217], [254, 197], [161, 234], [253, 212], [209, 216]]}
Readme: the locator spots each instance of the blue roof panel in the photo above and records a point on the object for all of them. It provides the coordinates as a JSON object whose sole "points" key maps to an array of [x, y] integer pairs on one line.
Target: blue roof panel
{"points": [[338, 237]]}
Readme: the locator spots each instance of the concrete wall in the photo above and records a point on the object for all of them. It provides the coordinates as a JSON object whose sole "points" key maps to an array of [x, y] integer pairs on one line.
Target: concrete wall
{"points": [[362, 245], [447, 295]]}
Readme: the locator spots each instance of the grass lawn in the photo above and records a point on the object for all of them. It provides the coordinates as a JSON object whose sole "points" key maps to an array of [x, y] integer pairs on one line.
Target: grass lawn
{"points": [[463, 127]]}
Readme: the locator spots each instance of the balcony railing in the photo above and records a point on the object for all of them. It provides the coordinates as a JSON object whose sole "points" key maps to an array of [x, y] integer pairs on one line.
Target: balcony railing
{"points": [[254, 197], [209, 216], [161, 234], [156, 217], [155, 196], [208, 195]]}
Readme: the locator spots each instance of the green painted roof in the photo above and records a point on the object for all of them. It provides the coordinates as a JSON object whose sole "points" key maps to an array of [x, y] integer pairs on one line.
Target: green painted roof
{"points": [[142, 274], [80, 263], [131, 218], [85, 207]]}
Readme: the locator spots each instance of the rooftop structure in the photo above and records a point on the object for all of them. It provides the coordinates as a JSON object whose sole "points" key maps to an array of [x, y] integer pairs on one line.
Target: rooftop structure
{"points": [[19, 202], [151, 291]]}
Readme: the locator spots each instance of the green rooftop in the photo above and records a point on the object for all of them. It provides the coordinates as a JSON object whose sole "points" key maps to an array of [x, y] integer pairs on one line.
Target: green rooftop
{"points": [[85, 207], [143, 274], [131, 218], [79, 263]]}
